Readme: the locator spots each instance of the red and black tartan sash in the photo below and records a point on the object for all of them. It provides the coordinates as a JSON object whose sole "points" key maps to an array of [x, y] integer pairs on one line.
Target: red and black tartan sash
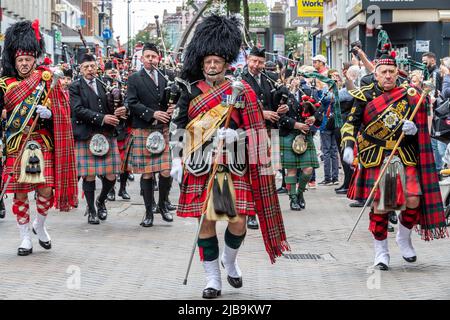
{"points": [[375, 107], [209, 99]]}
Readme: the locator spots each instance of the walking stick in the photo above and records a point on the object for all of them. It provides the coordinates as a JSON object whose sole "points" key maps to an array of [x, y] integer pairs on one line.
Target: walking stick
{"points": [[237, 88], [427, 88], [57, 74]]}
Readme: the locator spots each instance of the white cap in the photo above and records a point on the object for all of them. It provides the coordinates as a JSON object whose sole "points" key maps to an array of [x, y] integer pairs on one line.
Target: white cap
{"points": [[320, 57]]}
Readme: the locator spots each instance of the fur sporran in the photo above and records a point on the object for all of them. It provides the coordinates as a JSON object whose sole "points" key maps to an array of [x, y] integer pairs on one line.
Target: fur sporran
{"points": [[99, 145], [32, 164], [392, 185]]}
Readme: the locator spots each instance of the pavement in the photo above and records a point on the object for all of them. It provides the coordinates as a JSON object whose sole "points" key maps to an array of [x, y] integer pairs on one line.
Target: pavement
{"points": [[119, 259]]}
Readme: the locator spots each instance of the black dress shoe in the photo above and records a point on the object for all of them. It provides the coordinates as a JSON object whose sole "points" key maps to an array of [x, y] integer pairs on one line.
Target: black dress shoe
{"points": [[111, 195], [124, 194], [131, 177], [211, 293], [234, 282], [101, 210], [92, 217], [2, 209], [166, 215], [356, 204], [295, 206], [281, 190], [393, 217], [24, 252], [170, 206], [148, 220], [341, 191], [301, 202], [46, 245], [390, 228], [382, 266], [411, 259], [252, 223]]}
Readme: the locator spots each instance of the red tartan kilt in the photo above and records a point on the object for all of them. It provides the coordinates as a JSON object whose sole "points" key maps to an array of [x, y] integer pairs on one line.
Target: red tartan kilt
{"points": [[365, 179], [193, 194], [122, 145], [49, 171]]}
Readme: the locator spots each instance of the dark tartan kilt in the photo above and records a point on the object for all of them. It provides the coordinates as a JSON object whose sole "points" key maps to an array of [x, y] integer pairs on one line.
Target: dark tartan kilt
{"points": [[49, 171], [193, 195], [365, 179], [90, 165], [291, 160], [140, 160]]}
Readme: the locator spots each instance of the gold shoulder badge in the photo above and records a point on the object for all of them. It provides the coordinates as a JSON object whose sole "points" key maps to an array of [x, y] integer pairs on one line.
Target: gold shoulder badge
{"points": [[46, 75], [412, 92]]}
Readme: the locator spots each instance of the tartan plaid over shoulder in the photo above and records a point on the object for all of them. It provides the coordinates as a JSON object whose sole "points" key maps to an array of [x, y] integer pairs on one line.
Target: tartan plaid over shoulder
{"points": [[432, 223], [260, 170], [66, 186], [262, 178]]}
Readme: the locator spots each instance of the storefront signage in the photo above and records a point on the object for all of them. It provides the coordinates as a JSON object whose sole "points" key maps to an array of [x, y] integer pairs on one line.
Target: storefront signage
{"points": [[407, 4], [310, 8]]}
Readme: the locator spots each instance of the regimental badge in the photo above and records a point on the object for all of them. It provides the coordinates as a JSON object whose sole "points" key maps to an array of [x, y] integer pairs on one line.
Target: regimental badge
{"points": [[412, 92], [23, 111], [16, 123], [390, 120], [46, 75]]}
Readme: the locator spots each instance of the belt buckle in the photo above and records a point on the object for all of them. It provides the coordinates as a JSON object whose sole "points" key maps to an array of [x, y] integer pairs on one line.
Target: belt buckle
{"points": [[390, 144]]}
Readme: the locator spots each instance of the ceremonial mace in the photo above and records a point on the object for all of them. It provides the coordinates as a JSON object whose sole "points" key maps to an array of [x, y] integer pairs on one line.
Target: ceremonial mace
{"points": [[237, 89], [427, 88], [57, 74]]}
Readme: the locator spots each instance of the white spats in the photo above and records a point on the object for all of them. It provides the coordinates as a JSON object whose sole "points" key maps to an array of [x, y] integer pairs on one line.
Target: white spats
{"points": [[25, 236], [212, 271], [404, 242], [381, 252], [39, 227], [229, 260]]}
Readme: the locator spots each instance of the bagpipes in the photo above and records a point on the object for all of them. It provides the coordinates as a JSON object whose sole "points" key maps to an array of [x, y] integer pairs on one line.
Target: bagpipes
{"points": [[332, 87]]}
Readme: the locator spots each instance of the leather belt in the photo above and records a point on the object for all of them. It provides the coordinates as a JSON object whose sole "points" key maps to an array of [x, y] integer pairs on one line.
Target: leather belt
{"points": [[387, 144]]}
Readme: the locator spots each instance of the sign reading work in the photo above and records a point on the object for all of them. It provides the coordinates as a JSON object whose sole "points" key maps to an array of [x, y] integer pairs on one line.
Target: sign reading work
{"points": [[407, 4], [310, 8]]}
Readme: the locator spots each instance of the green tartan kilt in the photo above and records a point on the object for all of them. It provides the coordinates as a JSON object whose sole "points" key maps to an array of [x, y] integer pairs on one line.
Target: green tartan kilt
{"points": [[291, 160]]}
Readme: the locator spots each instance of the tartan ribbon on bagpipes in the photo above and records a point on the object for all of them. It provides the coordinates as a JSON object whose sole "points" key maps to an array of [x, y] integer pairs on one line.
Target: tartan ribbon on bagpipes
{"points": [[332, 87], [66, 187], [262, 181]]}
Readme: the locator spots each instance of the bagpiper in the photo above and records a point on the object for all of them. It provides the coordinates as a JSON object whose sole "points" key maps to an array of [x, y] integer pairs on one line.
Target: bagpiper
{"points": [[95, 121], [237, 186], [380, 114], [39, 144], [148, 148]]}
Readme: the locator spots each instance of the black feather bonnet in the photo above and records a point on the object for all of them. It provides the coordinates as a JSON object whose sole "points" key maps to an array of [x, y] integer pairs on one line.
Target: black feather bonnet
{"points": [[22, 38], [215, 35]]}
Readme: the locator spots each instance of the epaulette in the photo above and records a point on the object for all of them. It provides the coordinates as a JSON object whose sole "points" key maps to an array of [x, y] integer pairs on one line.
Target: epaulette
{"points": [[3, 84], [360, 93]]}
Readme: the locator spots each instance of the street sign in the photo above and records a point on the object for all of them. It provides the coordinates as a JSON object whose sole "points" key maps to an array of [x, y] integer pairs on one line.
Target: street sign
{"points": [[422, 45], [107, 34], [61, 7]]}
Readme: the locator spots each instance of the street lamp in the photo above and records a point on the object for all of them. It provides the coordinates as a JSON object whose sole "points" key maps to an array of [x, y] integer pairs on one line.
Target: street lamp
{"points": [[128, 29]]}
